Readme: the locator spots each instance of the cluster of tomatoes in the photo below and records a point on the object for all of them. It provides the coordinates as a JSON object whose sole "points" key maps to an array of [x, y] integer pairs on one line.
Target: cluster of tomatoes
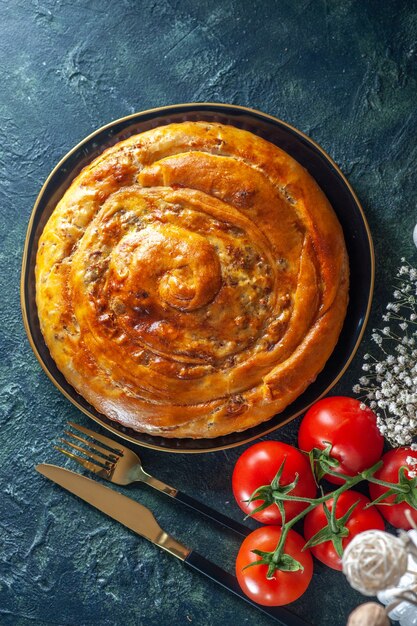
{"points": [[349, 432]]}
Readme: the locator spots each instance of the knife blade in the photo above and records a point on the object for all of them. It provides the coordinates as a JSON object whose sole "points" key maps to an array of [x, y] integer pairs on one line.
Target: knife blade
{"points": [[141, 520], [121, 508]]}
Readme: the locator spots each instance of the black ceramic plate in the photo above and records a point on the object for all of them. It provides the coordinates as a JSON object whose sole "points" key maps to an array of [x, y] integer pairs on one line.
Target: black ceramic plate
{"points": [[306, 152]]}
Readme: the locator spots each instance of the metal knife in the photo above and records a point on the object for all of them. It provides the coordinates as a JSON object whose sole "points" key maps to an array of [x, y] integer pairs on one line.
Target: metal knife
{"points": [[141, 520]]}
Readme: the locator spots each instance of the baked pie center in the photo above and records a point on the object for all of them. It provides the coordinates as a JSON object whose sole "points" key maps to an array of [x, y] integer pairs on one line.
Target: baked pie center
{"points": [[181, 284]]}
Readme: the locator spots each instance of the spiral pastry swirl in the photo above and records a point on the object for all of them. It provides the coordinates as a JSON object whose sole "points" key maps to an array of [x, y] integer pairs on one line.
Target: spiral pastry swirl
{"points": [[192, 281]]}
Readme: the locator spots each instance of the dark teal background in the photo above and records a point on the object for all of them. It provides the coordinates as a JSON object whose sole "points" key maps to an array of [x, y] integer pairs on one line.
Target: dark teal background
{"points": [[345, 73]]}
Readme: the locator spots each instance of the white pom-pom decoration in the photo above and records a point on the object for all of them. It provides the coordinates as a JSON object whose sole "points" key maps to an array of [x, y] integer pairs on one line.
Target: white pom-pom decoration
{"points": [[373, 561], [405, 612]]}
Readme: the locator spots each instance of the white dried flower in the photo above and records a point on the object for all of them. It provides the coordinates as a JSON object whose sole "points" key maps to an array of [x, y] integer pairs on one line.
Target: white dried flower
{"points": [[390, 382], [377, 339]]}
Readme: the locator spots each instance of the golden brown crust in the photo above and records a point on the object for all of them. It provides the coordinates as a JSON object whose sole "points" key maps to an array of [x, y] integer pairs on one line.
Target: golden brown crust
{"points": [[192, 281]]}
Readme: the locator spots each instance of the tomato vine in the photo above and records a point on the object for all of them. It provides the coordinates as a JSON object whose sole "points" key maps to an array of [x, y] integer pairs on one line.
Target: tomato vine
{"points": [[335, 530]]}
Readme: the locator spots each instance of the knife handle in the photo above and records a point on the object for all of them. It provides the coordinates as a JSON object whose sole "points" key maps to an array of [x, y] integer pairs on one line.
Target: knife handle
{"points": [[214, 515], [217, 574]]}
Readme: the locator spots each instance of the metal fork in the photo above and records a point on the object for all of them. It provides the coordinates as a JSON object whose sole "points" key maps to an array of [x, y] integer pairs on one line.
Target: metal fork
{"points": [[122, 466]]}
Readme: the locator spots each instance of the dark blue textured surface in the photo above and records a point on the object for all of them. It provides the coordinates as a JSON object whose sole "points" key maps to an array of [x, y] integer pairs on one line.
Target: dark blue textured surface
{"points": [[344, 72]]}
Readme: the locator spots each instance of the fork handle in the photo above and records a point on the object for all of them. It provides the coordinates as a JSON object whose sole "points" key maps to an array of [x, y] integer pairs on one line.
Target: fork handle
{"points": [[217, 574], [212, 514]]}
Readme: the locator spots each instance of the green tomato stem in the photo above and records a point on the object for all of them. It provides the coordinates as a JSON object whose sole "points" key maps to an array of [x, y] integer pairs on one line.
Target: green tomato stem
{"points": [[333, 520], [349, 483], [338, 475], [384, 483]]}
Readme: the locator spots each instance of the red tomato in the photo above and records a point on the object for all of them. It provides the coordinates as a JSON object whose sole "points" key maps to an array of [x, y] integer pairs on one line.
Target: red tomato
{"points": [[392, 461], [284, 587], [258, 465], [358, 521], [356, 441]]}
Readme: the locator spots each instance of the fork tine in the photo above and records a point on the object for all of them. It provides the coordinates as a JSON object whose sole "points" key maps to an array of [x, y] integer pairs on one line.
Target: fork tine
{"points": [[108, 464], [113, 445], [103, 451], [92, 467]]}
